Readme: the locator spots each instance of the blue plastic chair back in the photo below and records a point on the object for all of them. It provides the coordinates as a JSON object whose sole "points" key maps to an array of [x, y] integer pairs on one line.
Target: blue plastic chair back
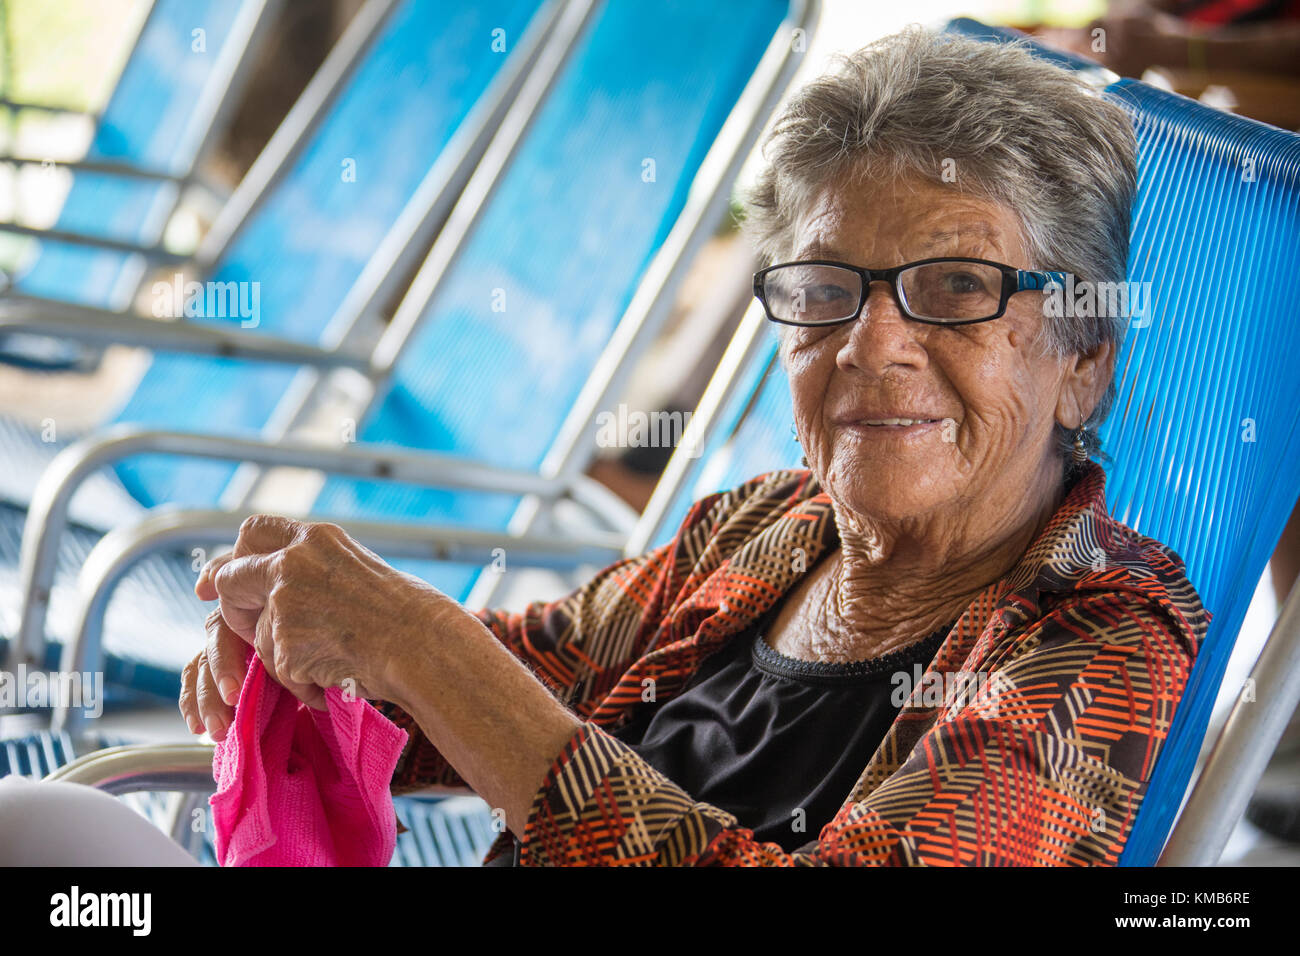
{"points": [[509, 340], [981, 31], [149, 122], [1205, 431], [306, 245]]}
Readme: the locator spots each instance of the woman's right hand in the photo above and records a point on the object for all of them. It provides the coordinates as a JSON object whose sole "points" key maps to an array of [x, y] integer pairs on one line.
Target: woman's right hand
{"points": [[210, 683]]}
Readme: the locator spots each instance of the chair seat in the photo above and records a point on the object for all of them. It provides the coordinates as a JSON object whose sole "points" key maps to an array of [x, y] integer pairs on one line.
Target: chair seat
{"points": [[447, 831]]}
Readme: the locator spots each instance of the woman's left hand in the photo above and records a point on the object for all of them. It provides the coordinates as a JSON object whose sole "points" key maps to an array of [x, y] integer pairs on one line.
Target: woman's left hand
{"points": [[320, 609]]}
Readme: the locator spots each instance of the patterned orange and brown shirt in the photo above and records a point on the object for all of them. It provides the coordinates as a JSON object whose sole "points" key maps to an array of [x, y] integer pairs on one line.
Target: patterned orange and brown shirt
{"points": [[1068, 671]]}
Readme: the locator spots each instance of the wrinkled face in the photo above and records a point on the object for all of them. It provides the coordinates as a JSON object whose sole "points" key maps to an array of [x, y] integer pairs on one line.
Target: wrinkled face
{"points": [[991, 395]]}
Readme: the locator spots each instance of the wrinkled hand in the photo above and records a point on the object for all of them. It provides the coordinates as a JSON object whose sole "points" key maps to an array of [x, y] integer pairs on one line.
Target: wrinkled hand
{"points": [[320, 610]]}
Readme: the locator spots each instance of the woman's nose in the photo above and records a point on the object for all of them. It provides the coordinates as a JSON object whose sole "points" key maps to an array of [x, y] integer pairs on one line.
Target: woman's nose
{"points": [[881, 335]]}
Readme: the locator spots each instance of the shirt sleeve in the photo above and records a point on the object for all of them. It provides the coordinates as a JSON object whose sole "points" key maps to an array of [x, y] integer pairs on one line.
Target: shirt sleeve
{"points": [[1046, 763], [548, 637], [579, 645]]}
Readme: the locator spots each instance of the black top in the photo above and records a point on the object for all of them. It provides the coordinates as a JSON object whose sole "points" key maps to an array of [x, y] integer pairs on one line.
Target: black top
{"points": [[775, 741]]}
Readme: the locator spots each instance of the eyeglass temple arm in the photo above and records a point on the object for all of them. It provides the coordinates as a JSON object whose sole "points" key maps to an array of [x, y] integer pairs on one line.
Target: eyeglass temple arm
{"points": [[1038, 280]]}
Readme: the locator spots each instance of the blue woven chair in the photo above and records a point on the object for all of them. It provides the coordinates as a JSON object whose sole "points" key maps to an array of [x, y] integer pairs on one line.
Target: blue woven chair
{"points": [[168, 107], [969, 27], [1204, 434], [1241, 201], [413, 130]]}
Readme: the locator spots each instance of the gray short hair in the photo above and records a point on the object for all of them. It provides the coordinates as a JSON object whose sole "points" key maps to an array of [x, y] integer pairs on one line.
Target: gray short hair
{"points": [[1022, 132]]}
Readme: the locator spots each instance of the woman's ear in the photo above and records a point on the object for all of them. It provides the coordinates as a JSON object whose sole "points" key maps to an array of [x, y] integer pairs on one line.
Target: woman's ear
{"points": [[1086, 378]]}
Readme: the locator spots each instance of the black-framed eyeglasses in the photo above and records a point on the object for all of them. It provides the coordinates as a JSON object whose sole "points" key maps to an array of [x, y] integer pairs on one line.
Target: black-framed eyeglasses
{"points": [[945, 291]]}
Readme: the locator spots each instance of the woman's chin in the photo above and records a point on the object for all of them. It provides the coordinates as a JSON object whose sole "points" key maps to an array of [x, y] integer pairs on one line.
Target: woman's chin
{"points": [[887, 494]]}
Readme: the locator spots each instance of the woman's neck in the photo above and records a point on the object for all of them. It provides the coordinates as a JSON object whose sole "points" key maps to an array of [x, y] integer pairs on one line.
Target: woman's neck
{"points": [[888, 587]]}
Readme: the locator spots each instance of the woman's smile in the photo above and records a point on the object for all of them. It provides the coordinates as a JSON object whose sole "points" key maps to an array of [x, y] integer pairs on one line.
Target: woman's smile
{"points": [[893, 429]]}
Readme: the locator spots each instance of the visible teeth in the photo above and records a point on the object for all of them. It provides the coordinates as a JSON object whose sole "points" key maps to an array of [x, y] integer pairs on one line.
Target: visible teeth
{"points": [[899, 421]]}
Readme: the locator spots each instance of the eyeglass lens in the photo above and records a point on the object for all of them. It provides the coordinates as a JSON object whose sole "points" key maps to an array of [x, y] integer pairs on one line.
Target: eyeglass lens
{"points": [[940, 291]]}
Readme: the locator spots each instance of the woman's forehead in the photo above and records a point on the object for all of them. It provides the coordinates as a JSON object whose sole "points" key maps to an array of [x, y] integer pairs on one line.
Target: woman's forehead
{"points": [[850, 220]]}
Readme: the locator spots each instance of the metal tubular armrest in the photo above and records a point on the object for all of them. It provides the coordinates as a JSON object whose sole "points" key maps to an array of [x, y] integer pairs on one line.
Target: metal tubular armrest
{"points": [[174, 767], [47, 516], [101, 167], [8, 104], [113, 556], [41, 317], [1243, 748], [153, 253]]}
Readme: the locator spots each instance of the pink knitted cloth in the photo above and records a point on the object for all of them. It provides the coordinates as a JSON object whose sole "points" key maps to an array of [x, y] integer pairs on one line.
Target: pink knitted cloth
{"points": [[304, 787]]}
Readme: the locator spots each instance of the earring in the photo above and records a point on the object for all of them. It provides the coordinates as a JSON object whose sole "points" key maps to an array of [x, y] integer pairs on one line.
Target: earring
{"points": [[1080, 446], [803, 461]]}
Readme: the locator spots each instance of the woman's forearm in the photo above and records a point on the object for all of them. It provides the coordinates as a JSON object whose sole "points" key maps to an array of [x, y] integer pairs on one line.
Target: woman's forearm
{"points": [[492, 720]]}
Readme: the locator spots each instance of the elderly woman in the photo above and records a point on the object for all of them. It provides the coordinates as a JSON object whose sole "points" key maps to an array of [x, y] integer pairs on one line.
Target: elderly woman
{"points": [[933, 646]]}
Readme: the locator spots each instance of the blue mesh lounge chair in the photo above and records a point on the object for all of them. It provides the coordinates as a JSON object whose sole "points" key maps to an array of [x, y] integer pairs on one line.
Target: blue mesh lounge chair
{"points": [[1062, 58], [361, 123], [634, 156], [169, 106], [1204, 433], [437, 130], [1215, 158], [661, 135], [413, 154]]}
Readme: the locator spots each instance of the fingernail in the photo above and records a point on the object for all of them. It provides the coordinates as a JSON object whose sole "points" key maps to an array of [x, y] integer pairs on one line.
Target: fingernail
{"points": [[229, 690], [196, 728], [217, 729]]}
